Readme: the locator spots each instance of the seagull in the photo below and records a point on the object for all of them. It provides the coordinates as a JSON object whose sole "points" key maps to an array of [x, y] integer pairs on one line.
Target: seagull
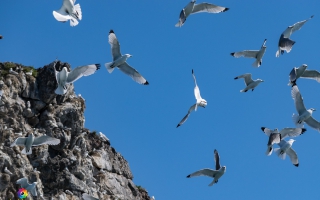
{"points": [[303, 73], [64, 77], [29, 73], [7, 171], [275, 136], [68, 11], [102, 137], [13, 72], [251, 84], [192, 8], [304, 114], [257, 54], [30, 141], [285, 148], [216, 174], [119, 61], [30, 187], [200, 101], [85, 196], [285, 43]]}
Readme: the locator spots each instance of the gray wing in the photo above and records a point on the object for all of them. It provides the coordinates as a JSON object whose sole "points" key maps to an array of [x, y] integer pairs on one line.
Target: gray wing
{"points": [[274, 138], [293, 75], [78, 72], [312, 74], [19, 141], [313, 123], [203, 172], [196, 88], [245, 53], [115, 45], [217, 159], [291, 132], [293, 157], [207, 7], [45, 140], [23, 182], [247, 78], [295, 27], [192, 108], [298, 100], [266, 131], [134, 74], [85, 196], [33, 191]]}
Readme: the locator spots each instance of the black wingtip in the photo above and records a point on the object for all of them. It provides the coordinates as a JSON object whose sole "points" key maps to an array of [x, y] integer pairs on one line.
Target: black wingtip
{"points": [[232, 54], [262, 128], [235, 78], [111, 31], [226, 9], [297, 165], [293, 43], [178, 125], [303, 130], [146, 83], [188, 176], [192, 71], [294, 83], [311, 16], [98, 66], [1, 36], [215, 151]]}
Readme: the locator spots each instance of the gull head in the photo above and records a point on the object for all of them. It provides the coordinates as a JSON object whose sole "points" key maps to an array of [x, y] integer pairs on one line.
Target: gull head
{"points": [[312, 109], [203, 103], [259, 80], [291, 141], [128, 55], [304, 66], [223, 168]]}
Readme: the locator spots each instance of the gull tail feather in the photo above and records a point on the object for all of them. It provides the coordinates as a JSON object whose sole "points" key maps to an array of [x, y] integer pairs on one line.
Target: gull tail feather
{"points": [[78, 11], [109, 68], [278, 151], [73, 21], [60, 90], [24, 151]]}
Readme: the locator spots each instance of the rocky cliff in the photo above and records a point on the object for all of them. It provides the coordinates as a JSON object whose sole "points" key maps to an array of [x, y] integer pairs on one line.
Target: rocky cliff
{"points": [[83, 162]]}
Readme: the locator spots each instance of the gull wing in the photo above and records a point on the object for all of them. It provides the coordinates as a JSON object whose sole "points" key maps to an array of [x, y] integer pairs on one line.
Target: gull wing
{"points": [[78, 72], [217, 159], [311, 74], [293, 75], [295, 27], [313, 123], [266, 131], [45, 140], [274, 138], [185, 12], [196, 88], [291, 132], [207, 7], [204, 172], [33, 191], [247, 78], [134, 74], [293, 157], [20, 141], [298, 100], [61, 15], [23, 182], [115, 45], [192, 108], [246, 54]]}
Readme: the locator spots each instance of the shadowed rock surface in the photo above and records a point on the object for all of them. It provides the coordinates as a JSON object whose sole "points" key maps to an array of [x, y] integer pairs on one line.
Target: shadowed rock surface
{"points": [[81, 163]]}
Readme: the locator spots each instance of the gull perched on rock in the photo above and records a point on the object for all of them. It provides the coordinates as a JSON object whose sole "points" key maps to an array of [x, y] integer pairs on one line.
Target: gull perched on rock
{"points": [[285, 148], [275, 136], [193, 8], [302, 72], [85, 196], [30, 141], [304, 115], [251, 84], [68, 11], [11, 71], [30, 187], [119, 61], [216, 174], [7, 171], [64, 77], [200, 101], [285, 43], [257, 54]]}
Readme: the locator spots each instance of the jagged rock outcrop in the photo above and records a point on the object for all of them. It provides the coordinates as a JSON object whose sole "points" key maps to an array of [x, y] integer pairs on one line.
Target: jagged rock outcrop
{"points": [[81, 163]]}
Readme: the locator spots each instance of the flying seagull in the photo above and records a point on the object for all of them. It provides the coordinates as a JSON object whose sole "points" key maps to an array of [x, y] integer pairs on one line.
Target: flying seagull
{"points": [[257, 54], [192, 8], [200, 101], [85, 196], [285, 148], [285, 43], [275, 136], [30, 141], [304, 115], [302, 72], [68, 11], [216, 174], [119, 61], [30, 187], [250, 84], [64, 77]]}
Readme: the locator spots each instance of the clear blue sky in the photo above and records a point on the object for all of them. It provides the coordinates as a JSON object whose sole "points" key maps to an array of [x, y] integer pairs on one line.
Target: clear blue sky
{"points": [[140, 121]]}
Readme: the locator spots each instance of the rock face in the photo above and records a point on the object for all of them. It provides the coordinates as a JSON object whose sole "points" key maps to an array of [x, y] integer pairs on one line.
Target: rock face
{"points": [[81, 163]]}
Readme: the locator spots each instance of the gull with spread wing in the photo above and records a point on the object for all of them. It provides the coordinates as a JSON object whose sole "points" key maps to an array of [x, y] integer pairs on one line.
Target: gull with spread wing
{"points": [[215, 174], [200, 101], [119, 61], [275, 136], [302, 72], [285, 148], [31, 188], [32, 141], [68, 11], [257, 54], [64, 78], [285, 43], [250, 84], [193, 8], [304, 115]]}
